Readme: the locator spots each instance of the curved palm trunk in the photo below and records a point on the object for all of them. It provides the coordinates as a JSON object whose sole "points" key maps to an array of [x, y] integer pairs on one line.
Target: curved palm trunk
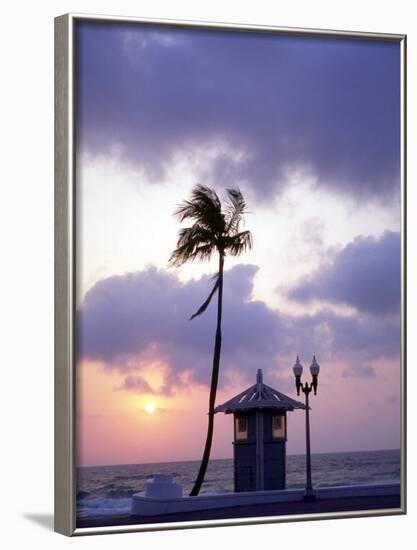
{"points": [[213, 386]]}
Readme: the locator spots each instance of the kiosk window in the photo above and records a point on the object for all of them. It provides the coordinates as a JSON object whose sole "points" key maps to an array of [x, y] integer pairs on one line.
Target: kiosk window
{"points": [[278, 426], [241, 427]]}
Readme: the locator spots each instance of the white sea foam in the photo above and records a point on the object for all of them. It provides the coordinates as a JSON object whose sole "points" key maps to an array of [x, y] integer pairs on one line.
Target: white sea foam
{"points": [[99, 507]]}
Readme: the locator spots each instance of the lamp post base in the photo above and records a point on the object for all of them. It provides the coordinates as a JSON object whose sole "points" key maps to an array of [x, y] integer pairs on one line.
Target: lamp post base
{"points": [[309, 496]]}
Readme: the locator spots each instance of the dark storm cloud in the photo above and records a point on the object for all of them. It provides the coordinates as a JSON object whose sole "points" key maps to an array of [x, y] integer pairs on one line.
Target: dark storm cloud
{"points": [[331, 105], [145, 316], [366, 274]]}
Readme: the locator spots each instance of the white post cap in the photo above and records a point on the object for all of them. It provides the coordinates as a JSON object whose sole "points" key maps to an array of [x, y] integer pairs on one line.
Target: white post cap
{"points": [[162, 486]]}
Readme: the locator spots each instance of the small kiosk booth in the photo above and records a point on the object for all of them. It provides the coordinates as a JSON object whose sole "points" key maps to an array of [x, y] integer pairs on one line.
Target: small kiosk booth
{"points": [[260, 435]]}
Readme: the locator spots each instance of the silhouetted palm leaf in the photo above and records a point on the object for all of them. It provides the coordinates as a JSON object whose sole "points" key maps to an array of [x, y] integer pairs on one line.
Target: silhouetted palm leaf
{"points": [[235, 210], [204, 306]]}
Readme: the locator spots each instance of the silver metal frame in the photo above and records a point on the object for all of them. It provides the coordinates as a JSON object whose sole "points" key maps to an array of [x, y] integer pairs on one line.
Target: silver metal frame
{"points": [[65, 189]]}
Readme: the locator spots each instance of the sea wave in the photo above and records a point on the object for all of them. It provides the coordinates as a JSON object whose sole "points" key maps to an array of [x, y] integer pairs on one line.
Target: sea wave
{"points": [[100, 507], [107, 490]]}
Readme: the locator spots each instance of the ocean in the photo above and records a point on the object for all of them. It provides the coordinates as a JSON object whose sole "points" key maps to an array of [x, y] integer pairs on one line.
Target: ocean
{"points": [[107, 490]]}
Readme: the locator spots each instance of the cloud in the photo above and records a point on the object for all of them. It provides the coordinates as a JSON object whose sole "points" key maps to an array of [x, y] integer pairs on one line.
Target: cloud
{"points": [[359, 371], [344, 336], [145, 315], [366, 274], [139, 384], [128, 322], [262, 104]]}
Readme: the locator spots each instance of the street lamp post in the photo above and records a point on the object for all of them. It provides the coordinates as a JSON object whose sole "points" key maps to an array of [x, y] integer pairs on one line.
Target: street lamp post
{"points": [[306, 389]]}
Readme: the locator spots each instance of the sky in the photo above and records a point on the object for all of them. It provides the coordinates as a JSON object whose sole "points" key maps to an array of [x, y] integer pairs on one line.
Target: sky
{"points": [[308, 128]]}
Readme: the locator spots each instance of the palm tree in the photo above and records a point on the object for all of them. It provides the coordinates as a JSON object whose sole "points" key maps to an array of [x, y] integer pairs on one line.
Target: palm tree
{"points": [[214, 231]]}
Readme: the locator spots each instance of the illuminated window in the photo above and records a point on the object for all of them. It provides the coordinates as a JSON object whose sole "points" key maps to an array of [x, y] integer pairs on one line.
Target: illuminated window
{"points": [[241, 424], [278, 426]]}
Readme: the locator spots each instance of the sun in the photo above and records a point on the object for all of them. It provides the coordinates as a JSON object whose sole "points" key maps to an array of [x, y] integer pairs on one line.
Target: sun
{"points": [[150, 408]]}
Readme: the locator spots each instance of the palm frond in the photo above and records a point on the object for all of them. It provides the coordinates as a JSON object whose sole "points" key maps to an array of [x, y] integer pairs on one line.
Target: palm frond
{"points": [[205, 305], [186, 210], [213, 229], [204, 207], [194, 242], [235, 245], [235, 210], [195, 233]]}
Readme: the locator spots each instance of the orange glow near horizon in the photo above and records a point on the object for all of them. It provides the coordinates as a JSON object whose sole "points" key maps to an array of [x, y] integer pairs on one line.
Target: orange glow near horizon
{"points": [[117, 426]]}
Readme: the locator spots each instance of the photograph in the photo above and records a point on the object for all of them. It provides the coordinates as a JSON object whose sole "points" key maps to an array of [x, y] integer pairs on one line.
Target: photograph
{"points": [[238, 274]]}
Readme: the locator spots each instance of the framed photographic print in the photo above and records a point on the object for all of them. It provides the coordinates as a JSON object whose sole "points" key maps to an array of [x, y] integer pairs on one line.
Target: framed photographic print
{"points": [[230, 283]]}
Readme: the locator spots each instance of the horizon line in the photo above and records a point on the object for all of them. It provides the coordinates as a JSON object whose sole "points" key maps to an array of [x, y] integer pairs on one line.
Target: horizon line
{"points": [[230, 458]]}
